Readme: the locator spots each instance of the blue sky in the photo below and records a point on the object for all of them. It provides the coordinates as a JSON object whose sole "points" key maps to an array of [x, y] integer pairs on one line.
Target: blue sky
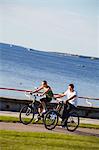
{"points": [[69, 26]]}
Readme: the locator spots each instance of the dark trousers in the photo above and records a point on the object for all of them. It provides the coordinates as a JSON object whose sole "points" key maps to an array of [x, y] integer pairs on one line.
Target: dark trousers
{"points": [[67, 108]]}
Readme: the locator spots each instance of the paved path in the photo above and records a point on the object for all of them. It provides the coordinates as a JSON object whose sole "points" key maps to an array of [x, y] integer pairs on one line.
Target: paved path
{"points": [[40, 128]]}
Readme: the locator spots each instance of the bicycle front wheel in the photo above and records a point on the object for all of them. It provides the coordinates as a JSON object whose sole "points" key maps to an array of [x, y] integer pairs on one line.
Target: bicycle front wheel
{"points": [[72, 121], [26, 114], [51, 120]]}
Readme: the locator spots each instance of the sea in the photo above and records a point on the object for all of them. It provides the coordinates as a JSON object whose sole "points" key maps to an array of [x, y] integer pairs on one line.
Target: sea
{"points": [[25, 68]]}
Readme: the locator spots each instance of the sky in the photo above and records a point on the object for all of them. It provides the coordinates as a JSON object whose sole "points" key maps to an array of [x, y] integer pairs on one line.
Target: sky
{"points": [[67, 26]]}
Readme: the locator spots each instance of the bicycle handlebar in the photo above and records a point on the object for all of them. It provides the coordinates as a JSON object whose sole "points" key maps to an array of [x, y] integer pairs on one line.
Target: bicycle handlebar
{"points": [[30, 94]]}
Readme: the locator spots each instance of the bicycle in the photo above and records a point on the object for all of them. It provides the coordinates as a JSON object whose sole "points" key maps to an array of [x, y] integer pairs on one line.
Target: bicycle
{"points": [[28, 111], [52, 117]]}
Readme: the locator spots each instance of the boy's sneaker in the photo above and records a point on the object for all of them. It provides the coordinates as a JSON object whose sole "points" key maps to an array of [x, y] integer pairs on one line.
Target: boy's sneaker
{"points": [[63, 126]]}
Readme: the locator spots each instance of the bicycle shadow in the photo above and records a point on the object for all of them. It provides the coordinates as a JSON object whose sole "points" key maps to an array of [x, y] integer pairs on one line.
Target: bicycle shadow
{"points": [[79, 131]]}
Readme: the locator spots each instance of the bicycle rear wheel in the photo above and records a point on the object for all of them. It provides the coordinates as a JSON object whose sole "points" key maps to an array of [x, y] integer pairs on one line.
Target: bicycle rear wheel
{"points": [[26, 114], [72, 121], [51, 120]]}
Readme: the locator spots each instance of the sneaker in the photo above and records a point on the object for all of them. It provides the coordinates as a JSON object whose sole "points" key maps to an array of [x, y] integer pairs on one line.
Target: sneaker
{"points": [[63, 126], [37, 119]]}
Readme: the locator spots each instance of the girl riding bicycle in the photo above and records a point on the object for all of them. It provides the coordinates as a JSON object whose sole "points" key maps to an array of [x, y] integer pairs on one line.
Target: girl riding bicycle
{"points": [[47, 96]]}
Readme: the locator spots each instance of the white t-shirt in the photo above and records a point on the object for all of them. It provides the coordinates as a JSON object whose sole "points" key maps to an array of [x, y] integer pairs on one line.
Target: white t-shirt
{"points": [[70, 94]]}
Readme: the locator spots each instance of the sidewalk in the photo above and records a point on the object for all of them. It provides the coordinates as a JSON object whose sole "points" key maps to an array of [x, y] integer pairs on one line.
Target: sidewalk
{"points": [[82, 120]]}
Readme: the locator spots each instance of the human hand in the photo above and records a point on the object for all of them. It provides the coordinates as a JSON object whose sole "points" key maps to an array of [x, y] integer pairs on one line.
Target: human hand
{"points": [[66, 101], [40, 95]]}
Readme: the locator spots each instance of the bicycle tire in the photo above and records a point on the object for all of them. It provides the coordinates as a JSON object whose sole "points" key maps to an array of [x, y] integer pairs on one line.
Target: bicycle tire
{"points": [[50, 119], [26, 114], [72, 121]]}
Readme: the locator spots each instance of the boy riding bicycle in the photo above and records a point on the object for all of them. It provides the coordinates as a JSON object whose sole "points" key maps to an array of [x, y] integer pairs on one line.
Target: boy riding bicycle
{"points": [[70, 103], [47, 97]]}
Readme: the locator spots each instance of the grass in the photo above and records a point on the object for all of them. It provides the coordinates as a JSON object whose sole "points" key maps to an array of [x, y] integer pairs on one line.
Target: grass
{"points": [[16, 119], [9, 119], [91, 126], [12, 140]]}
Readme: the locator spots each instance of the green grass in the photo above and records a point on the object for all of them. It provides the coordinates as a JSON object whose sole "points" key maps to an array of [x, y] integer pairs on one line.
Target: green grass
{"points": [[12, 140], [91, 126], [9, 119], [16, 119]]}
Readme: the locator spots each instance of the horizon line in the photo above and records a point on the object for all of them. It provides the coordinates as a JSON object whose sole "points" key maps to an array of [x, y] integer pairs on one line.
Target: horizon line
{"points": [[61, 53]]}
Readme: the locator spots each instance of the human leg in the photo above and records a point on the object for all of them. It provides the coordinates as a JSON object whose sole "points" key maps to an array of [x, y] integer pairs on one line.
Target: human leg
{"points": [[43, 103], [67, 108]]}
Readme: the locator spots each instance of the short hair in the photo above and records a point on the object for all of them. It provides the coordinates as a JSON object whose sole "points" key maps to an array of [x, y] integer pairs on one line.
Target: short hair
{"points": [[71, 85], [45, 82]]}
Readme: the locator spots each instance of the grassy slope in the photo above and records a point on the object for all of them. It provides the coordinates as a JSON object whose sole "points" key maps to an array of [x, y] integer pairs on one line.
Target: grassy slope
{"points": [[12, 140]]}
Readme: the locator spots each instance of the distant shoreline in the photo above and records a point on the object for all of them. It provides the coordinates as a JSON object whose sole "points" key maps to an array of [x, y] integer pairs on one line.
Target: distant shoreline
{"points": [[59, 53], [75, 55]]}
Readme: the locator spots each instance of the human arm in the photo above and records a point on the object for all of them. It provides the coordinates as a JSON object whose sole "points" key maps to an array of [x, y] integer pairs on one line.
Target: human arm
{"points": [[59, 95], [71, 98], [37, 90]]}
